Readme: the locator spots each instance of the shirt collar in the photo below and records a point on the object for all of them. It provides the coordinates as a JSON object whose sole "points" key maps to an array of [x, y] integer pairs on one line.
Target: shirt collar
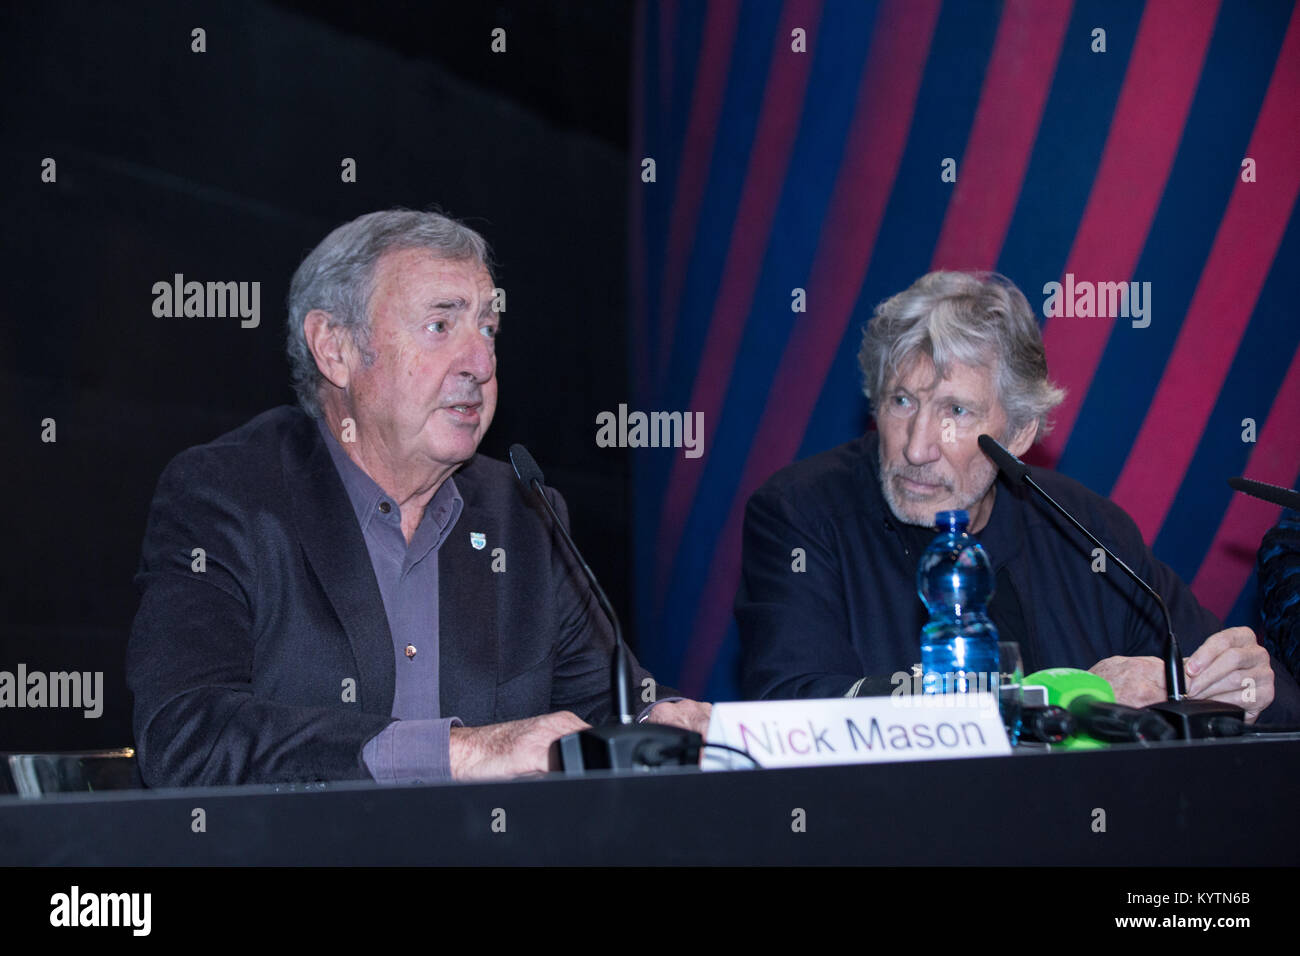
{"points": [[366, 496]]}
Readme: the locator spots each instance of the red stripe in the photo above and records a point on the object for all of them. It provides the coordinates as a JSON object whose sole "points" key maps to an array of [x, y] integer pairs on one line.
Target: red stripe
{"points": [[1225, 297], [778, 127], [697, 152], [886, 100], [1275, 459], [1019, 75], [1162, 75]]}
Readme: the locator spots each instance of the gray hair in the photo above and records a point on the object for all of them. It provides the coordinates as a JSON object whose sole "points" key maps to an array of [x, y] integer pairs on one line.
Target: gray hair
{"points": [[338, 277], [973, 318]]}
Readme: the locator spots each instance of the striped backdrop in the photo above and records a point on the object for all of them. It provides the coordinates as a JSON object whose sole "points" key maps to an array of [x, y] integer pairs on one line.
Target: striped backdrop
{"points": [[777, 170]]}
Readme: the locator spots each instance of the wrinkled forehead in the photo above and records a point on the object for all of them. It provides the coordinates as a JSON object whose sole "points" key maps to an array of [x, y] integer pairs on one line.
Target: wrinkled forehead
{"points": [[417, 279], [918, 375], [406, 266]]}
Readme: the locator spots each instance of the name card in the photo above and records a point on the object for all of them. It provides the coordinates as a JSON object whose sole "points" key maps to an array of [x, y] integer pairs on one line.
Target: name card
{"points": [[799, 733]]}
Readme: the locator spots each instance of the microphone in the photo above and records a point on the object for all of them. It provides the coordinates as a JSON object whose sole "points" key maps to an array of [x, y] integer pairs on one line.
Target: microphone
{"points": [[1047, 725], [622, 744], [1018, 472], [1273, 494], [1190, 718], [1090, 700], [528, 472]]}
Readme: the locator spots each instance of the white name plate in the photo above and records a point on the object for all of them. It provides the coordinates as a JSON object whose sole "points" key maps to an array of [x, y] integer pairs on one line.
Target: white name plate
{"points": [[800, 733]]}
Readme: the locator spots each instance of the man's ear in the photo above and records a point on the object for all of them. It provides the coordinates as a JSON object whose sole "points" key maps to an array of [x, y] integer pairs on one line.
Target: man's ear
{"points": [[328, 346], [1023, 439]]}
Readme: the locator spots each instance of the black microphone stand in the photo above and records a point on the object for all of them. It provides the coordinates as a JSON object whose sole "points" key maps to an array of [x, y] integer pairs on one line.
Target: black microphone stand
{"points": [[621, 744], [1191, 719]]}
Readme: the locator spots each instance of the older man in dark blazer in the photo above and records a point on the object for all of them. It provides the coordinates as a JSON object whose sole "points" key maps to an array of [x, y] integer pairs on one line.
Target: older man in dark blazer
{"points": [[322, 599]]}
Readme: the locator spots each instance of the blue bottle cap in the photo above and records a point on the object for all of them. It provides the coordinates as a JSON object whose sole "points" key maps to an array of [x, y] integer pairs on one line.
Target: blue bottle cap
{"points": [[955, 521]]}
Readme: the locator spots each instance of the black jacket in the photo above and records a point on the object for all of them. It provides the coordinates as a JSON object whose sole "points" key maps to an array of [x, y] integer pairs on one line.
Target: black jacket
{"points": [[1278, 566], [854, 611], [238, 671]]}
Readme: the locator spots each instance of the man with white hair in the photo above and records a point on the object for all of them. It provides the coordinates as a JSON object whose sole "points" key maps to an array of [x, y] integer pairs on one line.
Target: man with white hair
{"points": [[955, 356], [347, 589]]}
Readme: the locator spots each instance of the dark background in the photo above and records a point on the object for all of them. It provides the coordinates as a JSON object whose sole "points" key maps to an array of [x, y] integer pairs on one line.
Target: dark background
{"points": [[225, 166]]}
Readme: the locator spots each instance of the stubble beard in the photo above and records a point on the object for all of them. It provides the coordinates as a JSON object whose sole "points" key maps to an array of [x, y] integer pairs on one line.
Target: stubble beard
{"points": [[923, 514]]}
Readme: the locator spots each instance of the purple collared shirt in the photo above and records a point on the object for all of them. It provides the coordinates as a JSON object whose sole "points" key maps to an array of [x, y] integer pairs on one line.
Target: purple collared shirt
{"points": [[416, 746]]}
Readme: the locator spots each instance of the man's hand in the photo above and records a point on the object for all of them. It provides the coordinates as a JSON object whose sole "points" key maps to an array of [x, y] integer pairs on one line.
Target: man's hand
{"points": [[509, 749], [1136, 681], [686, 714], [1231, 667]]}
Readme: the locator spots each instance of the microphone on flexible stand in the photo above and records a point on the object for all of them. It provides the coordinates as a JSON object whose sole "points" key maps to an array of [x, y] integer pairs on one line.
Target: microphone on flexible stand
{"points": [[1090, 700], [1190, 719], [1273, 494], [621, 744]]}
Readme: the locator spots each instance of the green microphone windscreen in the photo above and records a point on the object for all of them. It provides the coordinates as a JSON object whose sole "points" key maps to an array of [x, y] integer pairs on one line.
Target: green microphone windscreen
{"points": [[1065, 686]]}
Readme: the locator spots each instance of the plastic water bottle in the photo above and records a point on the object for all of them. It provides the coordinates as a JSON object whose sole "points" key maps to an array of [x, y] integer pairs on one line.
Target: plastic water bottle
{"points": [[959, 646]]}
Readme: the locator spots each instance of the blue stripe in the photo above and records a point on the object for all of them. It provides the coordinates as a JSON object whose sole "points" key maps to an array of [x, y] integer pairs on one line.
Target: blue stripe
{"points": [[1076, 121], [1059, 178], [1237, 69], [839, 52], [1253, 380], [945, 112]]}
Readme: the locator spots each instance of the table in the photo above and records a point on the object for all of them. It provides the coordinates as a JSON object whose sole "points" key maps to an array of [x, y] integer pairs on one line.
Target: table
{"points": [[1178, 804]]}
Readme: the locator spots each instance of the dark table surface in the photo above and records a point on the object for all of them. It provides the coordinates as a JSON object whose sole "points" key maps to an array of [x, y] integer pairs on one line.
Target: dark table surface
{"points": [[1206, 803]]}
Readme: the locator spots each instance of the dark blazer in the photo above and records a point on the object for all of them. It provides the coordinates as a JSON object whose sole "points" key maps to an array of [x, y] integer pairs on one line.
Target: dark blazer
{"points": [[854, 611], [1278, 567], [241, 671]]}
